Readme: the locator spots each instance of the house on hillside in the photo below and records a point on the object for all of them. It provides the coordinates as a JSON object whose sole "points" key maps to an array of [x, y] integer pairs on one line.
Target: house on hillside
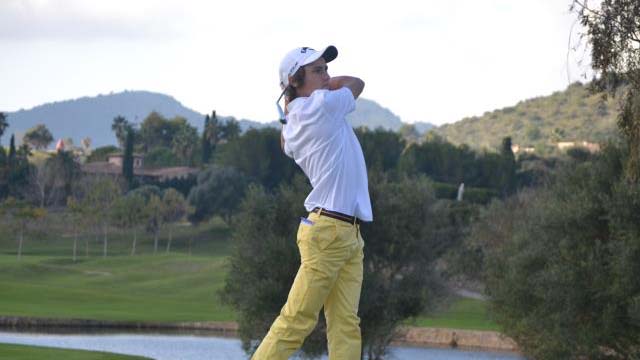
{"points": [[516, 149], [566, 145], [113, 166]]}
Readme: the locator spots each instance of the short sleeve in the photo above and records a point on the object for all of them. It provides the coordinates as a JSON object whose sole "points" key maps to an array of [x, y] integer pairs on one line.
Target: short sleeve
{"points": [[287, 150], [339, 103]]}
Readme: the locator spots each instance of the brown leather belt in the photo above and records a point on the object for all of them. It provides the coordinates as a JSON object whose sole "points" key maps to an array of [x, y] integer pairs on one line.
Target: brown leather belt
{"points": [[336, 215]]}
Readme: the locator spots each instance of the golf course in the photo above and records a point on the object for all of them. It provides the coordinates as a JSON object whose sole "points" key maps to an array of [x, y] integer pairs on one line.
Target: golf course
{"points": [[180, 286]]}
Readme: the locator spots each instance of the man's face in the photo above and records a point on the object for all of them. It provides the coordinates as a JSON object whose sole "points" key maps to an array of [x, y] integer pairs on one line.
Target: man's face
{"points": [[315, 77]]}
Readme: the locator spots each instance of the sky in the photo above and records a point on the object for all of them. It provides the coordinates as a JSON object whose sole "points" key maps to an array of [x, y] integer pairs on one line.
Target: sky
{"points": [[432, 61]]}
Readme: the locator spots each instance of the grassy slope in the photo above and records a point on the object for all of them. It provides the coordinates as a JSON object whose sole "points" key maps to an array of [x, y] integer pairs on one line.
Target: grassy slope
{"points": [[577, 113], [163, 287], [22, 352]]}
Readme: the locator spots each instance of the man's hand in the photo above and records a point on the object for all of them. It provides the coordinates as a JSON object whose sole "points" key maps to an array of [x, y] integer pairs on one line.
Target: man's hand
{"points": [[353, 83]]}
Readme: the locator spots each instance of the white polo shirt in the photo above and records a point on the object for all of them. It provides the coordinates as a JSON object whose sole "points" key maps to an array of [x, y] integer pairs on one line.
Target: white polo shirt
{"points": [[321, 141]]}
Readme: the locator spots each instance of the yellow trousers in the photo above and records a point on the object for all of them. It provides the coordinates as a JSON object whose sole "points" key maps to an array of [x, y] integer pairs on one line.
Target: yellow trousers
{"points": [[330, 275]]}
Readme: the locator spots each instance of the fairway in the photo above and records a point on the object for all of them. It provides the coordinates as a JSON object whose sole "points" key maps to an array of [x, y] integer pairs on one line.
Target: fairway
{"points": [[460, 313], [173, 287], [22, 352]]}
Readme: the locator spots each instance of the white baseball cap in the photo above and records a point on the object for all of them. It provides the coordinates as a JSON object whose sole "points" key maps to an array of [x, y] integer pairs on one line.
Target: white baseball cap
{"points": [[299, 57]]}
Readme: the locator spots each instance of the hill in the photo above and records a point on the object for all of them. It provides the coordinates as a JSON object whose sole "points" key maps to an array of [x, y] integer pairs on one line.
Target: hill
{"points": [[575, 114], [92, 116]]}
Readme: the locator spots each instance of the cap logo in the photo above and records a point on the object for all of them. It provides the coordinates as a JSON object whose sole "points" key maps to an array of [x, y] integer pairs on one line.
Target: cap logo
{"points": [[304, 50]]}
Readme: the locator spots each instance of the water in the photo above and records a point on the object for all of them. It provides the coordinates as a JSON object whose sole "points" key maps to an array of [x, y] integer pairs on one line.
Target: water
{"points": [[195, 347]]}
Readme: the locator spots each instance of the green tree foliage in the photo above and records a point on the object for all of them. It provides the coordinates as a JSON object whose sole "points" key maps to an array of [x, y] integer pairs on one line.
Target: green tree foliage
{"points": [[129, 212], [121, 127], [4, 124], [160, 157], [55, 179], [205, 145], [613, 31], [185, 144], [127, 160], [577, 112], [381, 148], [563, 269], [175, 135], [218, 192], [229, 130], [101, 195], [156, 131], [210, 137], [101, 153], [19, 169], [257, 155], [21, 216], [175, 209], [12, 150], [410, 232], [77, 217], [38, 137], [155, 210], [447, 163]]}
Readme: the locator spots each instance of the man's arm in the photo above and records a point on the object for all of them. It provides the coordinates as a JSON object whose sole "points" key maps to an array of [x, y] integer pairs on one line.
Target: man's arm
{"points": [[354, 84]]}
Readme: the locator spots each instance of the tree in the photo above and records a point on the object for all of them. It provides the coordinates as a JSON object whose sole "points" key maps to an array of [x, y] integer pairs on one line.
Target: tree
{"points": [[101, 197], [257, 155], [613, 31], [210, 137], [218, 192], [381, 148], [563, 275], [409, 133], [22, 215], [4, 124], [184, 143], [121, 127], [411, 231], [175, 208], [101, 153], [12, 151], [156, 131], [76, 215], [229, 130], [19, 169], [155, 210], [127, 161], [128, 213], [54, 178], [39, 137]]}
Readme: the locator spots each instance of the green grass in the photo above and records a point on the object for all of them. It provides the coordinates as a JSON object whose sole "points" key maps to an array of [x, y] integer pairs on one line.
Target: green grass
{"points": [[461, 313], [23, 352], [163, 287]]}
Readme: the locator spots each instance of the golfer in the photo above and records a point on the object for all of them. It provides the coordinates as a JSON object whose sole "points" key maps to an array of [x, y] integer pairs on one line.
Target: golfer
{"points": [[321, 141]]}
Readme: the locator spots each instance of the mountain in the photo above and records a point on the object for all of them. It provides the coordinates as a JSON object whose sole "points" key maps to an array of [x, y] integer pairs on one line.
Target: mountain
{"points": [[575, 114], [92, 116]]}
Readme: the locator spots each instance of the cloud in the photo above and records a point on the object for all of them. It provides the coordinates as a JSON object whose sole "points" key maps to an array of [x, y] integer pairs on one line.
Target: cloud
{"points": [[77, 20]]}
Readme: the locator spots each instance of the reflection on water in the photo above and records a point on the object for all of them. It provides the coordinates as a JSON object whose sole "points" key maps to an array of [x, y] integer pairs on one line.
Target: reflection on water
{"points": [[200, 347]]}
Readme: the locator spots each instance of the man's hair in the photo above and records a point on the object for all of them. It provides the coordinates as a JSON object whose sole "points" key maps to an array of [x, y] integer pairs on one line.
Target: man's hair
{"points": [[297, 79]]}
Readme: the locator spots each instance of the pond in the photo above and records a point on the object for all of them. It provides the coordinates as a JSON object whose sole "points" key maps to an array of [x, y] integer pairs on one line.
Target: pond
{"points": [[200, 347]]}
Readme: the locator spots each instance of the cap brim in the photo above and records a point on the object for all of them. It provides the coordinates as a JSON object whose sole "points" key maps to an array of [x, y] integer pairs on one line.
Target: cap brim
{"points": [[330, 53]]}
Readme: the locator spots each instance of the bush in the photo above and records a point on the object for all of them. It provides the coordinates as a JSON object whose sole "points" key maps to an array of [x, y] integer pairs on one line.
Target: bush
{"points": [[160, 157], [101, 153], [565, 281], [411, 230], [218, 192]]}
